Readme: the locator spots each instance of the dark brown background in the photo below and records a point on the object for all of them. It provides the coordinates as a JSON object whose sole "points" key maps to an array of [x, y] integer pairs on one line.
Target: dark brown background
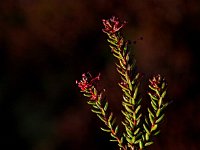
{"points": [[45, 45]]}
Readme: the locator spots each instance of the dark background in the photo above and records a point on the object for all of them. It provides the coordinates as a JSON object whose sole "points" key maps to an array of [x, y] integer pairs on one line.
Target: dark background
{"points": [[45, 46]]}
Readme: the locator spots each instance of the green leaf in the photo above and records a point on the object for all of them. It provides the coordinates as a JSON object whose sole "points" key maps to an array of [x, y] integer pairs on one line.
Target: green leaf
{"points": [[160, 102], [157, 132], [138, 121], [160, 118], [139, 101], [128, 109], [95, 91], [106, 130], [114, 136], [124, 113], [128, 104], [154, 106], [110, 117], [103, 112], [145, 128], [123, 87], [121, 63], [122, 139], [118, 66], [130, 121], [133, 139], [152, 88], [125, 122], [138, 118], [114, 50], [117, 56], [98, 104], [148, 143], [135, 94], [133, 116], [154, 102], [113, 121], [112, 36], [120, 72], [106, 106], [137, 76], [163, 94], [151, 119], [132, 101], [116, 129], [120, 146], [112, 42], [163, 85], [141, 145], [95, 111], [137, 109], [137, 141], [154, 127], [153, 97], [129, 140], [147, 136], [136, 131], [102, 118], [87, 95], [150, 112], [164, 106], [94, 106], [112, 47], [130, 85], [131, 124], [138, 136], [143, 138], [127, 94], [92, 103], [146, 120], [133, 82], [128, 131], [113, 140], [158, 112], [109, 124]]}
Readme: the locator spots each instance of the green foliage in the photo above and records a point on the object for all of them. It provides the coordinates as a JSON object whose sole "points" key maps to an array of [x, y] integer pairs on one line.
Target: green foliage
{"points": [[138, 132]]}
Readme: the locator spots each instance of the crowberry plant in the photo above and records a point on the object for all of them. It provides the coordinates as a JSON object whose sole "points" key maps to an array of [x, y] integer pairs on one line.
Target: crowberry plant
{"points": [[138, 131]]}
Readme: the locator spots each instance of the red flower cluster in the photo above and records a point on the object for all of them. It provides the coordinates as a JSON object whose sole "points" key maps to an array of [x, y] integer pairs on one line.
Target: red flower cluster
{"points": [[112, 25], [87, 85], [155, 82]]}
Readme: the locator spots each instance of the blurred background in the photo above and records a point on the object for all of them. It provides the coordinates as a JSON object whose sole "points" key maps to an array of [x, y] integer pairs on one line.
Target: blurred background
{"points": [[45, 46]]}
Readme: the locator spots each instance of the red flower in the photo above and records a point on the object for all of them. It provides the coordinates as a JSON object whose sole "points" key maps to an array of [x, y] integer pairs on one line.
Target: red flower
{"points": [[155, 82], [87, 85], [87, 82], [83, 84], [93, 96], [112, 25]]}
